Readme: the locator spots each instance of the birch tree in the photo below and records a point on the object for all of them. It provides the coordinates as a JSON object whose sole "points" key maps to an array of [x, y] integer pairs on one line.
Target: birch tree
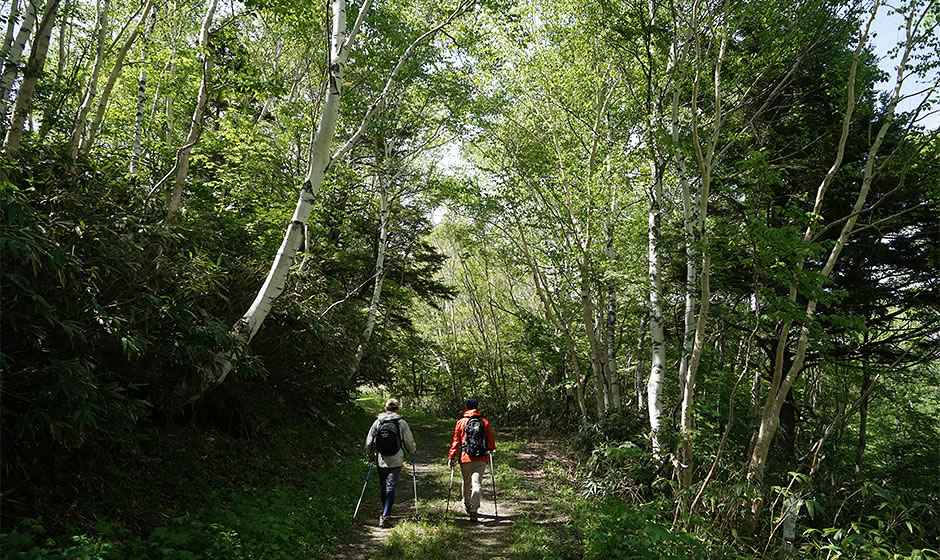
{"points": [[12, 52], [116, 70], [383, 178], [101, 28], [341, 44], [792, 340], [12, 19], [174, 196], [142, 93], [24, 97]]}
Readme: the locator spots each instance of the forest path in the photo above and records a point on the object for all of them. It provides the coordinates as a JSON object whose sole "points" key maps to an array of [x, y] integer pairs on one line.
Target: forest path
{"points": [[491, 537]]}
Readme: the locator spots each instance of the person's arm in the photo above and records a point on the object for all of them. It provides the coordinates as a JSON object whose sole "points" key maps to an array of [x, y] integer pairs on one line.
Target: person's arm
{"points": [[490, 438], [369, 437], [454, 452], [408, 437]]}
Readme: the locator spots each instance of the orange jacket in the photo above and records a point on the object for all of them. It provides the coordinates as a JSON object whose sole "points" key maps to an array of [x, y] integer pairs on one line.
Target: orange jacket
{"points": [[457, 440]]}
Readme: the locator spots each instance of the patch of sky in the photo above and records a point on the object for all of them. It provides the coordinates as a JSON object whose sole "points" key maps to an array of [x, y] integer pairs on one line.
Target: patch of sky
{"points": [[888, 36]]}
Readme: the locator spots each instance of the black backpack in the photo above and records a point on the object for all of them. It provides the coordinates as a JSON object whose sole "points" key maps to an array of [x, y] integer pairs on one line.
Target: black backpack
{"points": [[474, 437], [388, 437]]}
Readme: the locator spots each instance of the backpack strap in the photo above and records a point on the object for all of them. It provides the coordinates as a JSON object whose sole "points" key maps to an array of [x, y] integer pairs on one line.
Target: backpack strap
{"points": [[401, 436]]}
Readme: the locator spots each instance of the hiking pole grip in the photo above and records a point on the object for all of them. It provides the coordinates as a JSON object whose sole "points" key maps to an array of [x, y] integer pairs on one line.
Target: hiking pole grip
{"points": [[361, 494]]}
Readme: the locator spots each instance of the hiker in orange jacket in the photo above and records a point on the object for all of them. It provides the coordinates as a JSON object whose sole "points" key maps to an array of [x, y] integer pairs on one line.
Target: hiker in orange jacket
{"points": [[470, 447]]}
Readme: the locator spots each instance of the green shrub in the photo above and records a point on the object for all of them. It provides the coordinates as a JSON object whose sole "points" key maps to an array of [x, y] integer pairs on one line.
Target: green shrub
{"points": [[616, 529]]}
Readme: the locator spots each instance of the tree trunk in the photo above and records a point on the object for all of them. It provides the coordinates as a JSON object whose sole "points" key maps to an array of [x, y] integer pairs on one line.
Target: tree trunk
{"points": [[654, 386], [13, 53], [112, 79], [79, 127], [782, 381], [587, 317], [610, 330], [175, 196], [12, 18], [697, 215], [341, 44], [24, 98], [141, 95], [498, 347], [63, 44], [862, 419], [553, 317], [379, 260]]}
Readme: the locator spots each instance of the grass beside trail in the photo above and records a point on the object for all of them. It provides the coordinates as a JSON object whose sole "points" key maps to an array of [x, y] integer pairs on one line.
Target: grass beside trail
{"points": [[286, 493], [289, 491]]}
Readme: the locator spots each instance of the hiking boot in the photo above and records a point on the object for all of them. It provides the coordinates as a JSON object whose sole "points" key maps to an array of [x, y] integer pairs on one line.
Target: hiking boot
{"points": [[383, 522], [473, 517]]}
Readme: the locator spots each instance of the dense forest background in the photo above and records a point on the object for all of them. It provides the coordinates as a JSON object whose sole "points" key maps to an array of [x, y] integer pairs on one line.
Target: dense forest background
{"points": [[699, 239]]}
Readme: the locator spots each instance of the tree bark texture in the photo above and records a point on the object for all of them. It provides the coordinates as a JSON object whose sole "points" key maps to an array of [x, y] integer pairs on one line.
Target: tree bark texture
{"points": [[13, 52], [24, 98], [137, 138], [654, 386]]}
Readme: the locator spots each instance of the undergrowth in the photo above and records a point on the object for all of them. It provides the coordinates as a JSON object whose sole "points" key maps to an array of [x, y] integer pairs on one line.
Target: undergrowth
{"points": [[284, 495]]}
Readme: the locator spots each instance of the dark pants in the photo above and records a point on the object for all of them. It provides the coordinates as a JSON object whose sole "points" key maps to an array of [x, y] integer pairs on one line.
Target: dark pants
{"points": [[388, 478]]}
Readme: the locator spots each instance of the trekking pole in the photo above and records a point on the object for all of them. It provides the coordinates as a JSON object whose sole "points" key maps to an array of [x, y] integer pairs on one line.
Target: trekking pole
{"points": [[493, 473], [449, 488], [414, 476], [363, 493]]}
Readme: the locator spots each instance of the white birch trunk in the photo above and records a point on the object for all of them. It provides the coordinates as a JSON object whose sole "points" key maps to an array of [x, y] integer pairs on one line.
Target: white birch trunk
{"points": [[79, 128], [13, 53], [247, 326], [676, 67], [24, 98], [705, 161], [63, 45], [273, 286], [587, 318], [379, 270], [112, 79], [654, 386], [175, 198], [168, 113], [12, 19], [136, 140], [340, 46], [638, 385]]}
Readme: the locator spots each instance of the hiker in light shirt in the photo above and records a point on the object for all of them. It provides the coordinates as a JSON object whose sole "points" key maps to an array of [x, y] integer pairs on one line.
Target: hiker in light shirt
{"points": [[386, 442]]}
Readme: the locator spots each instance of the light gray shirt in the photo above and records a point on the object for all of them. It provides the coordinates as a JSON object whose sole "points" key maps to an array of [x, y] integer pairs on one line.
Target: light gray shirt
{"points": [[407, 438]]}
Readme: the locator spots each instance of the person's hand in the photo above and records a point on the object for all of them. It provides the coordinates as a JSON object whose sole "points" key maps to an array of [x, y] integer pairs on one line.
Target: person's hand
{"points": [[450, 462]]}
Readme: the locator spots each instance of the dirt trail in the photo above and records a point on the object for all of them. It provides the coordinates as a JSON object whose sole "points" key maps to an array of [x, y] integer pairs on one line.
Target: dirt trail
{"points": [[364, 540]]}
